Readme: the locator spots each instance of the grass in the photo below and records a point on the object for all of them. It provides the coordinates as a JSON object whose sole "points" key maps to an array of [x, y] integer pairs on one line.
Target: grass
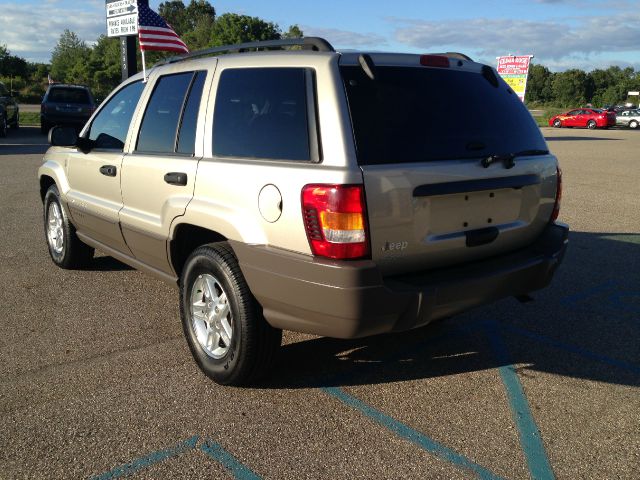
{"points": [[30, 118]]}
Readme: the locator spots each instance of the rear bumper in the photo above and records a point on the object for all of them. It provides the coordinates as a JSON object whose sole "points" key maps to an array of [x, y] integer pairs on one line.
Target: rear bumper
{"points": [[62, 119], [352, 299]]}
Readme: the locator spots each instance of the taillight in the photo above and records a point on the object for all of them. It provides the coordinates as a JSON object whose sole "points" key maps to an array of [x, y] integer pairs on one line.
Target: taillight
{"points": [[556, 207], [335, 220], [434, 61]]}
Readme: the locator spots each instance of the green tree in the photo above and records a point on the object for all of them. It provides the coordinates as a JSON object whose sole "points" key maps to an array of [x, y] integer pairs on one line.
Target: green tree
{"points": [[570, 88], [539, 84], [69, 59], [232, 28], [293, 32], [187, 19], [11, 65]]}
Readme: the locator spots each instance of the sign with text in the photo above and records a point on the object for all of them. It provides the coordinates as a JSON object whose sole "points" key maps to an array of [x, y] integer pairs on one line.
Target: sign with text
{"points": [[122, 17], [514, 70]]}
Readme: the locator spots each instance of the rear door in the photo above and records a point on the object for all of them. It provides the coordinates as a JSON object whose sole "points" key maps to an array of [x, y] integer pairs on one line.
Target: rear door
{"points": [[158, 177], [433, 198]]}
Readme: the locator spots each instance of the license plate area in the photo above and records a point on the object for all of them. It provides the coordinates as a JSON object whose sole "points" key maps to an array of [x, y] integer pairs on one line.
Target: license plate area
{"points": [[470, 211]]}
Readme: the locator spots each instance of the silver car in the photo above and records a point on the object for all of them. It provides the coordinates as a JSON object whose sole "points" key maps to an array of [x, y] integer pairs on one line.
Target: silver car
{"points": [[628, 118]]}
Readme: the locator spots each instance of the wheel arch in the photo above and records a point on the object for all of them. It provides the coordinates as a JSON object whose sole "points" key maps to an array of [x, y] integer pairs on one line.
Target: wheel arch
{"points": [[185, 239]]}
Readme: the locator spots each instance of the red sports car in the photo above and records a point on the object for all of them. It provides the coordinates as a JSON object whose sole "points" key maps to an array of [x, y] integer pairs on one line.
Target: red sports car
{"points": [[584, 117]]}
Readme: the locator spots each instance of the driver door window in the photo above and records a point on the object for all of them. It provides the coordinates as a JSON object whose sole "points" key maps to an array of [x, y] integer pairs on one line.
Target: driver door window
{"points": [[109, 128]]}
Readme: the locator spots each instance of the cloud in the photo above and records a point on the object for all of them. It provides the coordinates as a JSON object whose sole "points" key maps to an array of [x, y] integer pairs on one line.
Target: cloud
{"points": [[555, 40], [32, 31], [345, 38]]}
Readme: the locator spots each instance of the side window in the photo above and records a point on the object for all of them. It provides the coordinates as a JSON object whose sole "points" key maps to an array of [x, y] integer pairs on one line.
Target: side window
{"points": [[262, 113], [160, 122], [187, 132], [170, 120], [573, 112], [109, 128]]}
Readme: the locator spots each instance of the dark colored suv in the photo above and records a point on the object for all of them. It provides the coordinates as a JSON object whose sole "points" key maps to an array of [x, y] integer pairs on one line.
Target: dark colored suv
{"points": [[9, 113], [64, 104]]}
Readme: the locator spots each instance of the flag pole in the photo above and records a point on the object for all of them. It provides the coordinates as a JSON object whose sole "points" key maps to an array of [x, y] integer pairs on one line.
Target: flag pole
{"points": [[144, 68]]}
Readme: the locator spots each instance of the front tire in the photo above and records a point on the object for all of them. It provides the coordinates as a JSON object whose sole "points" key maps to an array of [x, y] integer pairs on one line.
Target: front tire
{"points": [[591, 124], [557, 123], [65, 248], [228, 337]]}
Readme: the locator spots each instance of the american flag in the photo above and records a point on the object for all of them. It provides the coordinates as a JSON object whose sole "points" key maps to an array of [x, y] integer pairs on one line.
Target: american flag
{"points": [[156, 34]]}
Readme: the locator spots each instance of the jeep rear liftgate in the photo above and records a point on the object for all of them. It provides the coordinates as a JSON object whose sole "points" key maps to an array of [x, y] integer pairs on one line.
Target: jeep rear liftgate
{"points": [[454, 167]]}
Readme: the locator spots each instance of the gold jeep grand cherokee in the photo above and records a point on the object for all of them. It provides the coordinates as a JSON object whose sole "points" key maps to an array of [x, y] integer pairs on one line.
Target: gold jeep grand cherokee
{"points": [[329, 193]]}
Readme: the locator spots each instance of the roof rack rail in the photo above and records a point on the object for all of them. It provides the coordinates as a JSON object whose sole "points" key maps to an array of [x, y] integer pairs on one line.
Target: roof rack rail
{"points": [[308, 43]]}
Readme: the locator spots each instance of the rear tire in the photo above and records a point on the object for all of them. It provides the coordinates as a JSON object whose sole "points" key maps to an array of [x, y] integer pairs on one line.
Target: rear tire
{"points": [[228, 337], [557, 123], [633, 124], [66, 249], [591, 124]]}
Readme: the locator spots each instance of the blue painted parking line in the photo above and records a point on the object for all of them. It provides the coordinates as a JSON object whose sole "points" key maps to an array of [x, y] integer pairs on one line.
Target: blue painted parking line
{"points": [[149, 459], [410, 434], [530, 438], [209, 447], [231, 463]]}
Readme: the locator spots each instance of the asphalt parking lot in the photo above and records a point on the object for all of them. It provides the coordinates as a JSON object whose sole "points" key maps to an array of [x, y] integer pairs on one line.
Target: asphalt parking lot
{"points": [[96, 380]]}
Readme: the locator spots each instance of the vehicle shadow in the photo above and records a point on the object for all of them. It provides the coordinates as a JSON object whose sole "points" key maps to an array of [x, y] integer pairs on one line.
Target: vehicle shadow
{"points": [[571, 139], [106, 264], [585, 325]]}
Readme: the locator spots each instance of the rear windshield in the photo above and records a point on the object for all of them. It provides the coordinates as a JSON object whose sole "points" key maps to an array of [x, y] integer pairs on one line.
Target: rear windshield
{"points": [[417, 114], [68, 95]]}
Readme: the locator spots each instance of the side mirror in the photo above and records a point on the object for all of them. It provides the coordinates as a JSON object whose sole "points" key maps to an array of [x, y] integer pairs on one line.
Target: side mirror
{"points": [[63, 137]]}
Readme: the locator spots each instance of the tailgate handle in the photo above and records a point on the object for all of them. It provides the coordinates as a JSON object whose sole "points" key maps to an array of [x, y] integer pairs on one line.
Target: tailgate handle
{"points": [[479, 185], [475, 238]]}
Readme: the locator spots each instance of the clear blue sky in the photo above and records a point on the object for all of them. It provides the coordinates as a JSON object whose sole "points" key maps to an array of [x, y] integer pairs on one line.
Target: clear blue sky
{"points": [[560, 33]]}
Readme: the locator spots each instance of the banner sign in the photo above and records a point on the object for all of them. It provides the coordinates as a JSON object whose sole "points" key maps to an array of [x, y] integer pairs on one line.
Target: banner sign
{"points": [[122, 17], [514, 70]]}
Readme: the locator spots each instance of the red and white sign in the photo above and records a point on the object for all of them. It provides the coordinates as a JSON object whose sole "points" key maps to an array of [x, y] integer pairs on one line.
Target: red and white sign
{"points": [[514, 70]]}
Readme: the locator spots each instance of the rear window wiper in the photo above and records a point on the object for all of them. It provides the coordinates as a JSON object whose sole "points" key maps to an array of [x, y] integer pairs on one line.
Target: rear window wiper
{"points": [[509, 159]]}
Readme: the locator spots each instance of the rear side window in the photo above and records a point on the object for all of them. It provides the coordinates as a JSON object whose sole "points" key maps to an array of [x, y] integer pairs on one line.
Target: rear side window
{"points": [[68, 95], [187, 132], [262, 113], [159, 129], [418, 114]]}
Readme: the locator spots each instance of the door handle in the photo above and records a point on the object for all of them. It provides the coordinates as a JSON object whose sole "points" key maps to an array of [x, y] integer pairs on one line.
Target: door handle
{"points": [[176, 178], [109, 170]]}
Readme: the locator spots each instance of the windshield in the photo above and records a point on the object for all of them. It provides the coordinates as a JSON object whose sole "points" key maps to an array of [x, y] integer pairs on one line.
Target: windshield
{"points": [[68, 95], [417, 114]]}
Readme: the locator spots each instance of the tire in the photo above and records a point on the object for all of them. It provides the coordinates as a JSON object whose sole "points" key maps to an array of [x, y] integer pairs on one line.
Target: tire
{"points": [[235, 346], [591, 124], [16, 121], [65, 248], [557, 123], [633, 124], [3, 126]]}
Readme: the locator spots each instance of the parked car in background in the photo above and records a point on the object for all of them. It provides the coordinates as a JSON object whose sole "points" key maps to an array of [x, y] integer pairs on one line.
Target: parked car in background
{"points": [[9, 111], [628, 118], [68, 105], [584, 117]]}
